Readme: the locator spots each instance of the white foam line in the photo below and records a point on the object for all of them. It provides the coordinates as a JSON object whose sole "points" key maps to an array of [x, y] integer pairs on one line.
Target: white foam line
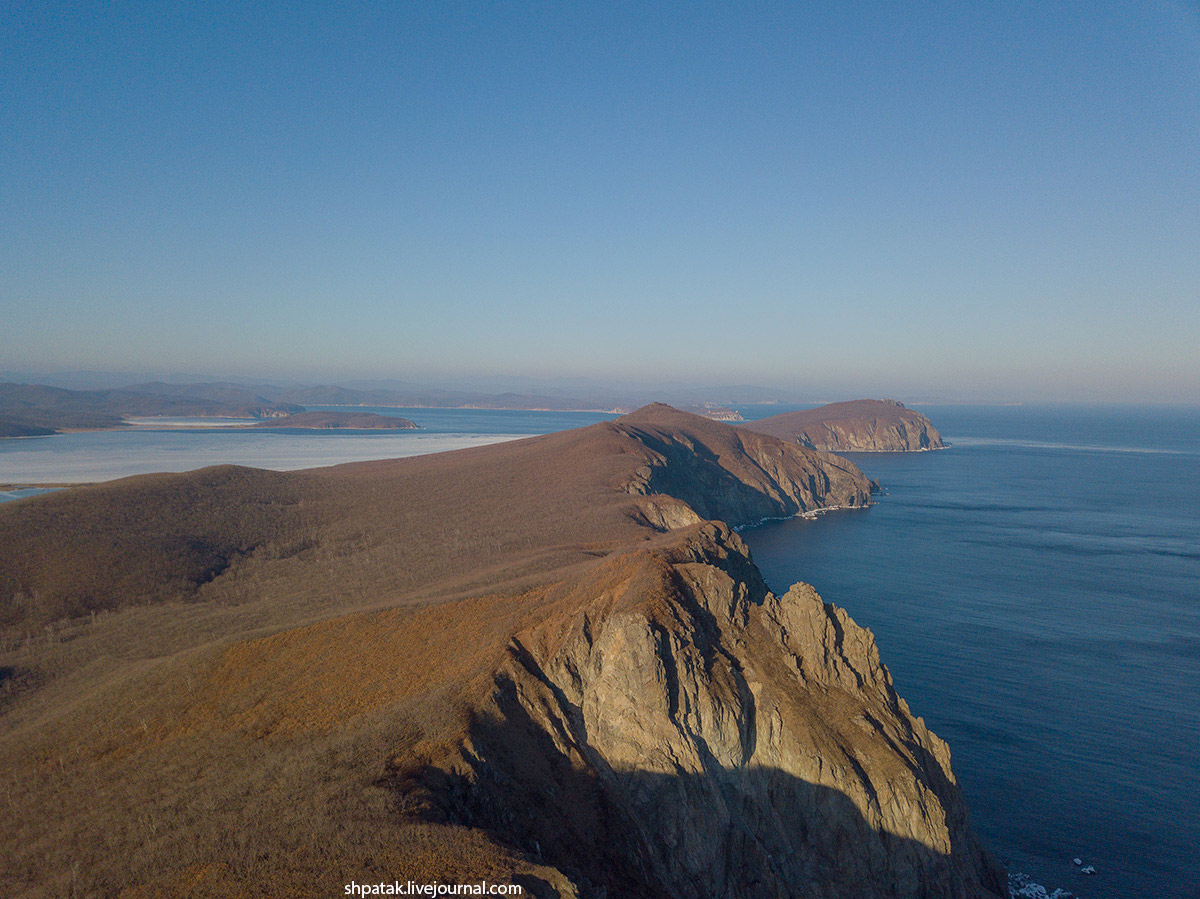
{"points": [[1075, 447], [808, 515]]}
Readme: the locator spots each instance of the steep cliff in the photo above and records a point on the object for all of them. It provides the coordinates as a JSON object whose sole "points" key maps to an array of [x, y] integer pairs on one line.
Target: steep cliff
{"points": [[859, 426], [537, 662], [674, 729]]}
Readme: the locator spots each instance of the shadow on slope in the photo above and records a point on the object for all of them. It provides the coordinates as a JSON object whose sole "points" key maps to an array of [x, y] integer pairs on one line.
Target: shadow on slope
{"points": [[743, 833]]}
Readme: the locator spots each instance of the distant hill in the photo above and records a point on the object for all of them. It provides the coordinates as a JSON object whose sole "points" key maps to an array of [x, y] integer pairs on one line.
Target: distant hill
{"points": [[326, 395], [51, 409], [415, 398], [855, 426], [34, 409], [15, 427]]}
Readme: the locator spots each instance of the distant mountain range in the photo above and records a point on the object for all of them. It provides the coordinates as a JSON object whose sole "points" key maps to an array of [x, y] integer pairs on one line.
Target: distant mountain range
{"points": [[35, 409], [28, 410]]}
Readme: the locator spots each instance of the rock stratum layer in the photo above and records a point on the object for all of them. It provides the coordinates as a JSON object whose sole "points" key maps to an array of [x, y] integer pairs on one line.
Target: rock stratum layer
{"points": [[539, 662], [858, 426]]}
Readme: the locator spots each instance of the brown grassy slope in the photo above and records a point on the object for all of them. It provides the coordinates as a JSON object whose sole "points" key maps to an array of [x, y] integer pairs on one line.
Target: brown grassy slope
{"points": [[857, 425], [397, 529], [371, 746], [226, 726]]}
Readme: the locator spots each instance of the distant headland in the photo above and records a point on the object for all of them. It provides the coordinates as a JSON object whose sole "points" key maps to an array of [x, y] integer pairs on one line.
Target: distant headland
{"points": [[857, 426]]}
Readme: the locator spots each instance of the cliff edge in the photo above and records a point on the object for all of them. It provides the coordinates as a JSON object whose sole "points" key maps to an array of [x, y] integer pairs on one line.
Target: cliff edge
{"points": [[549, 662], [858, 426]]}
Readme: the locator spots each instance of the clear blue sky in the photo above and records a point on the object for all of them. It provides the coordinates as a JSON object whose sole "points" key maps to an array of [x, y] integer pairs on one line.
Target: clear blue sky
{"points": [[965, 200]]}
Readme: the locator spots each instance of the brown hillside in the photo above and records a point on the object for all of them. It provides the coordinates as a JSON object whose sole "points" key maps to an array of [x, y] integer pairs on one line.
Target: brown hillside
{"points": [[532, 662], [398, 530]]}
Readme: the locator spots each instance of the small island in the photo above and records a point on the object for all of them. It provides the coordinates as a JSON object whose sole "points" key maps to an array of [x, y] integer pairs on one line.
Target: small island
{"points": [[350, 421]]}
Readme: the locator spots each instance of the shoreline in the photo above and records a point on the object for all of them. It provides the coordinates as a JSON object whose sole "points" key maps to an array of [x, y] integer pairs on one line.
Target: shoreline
{"points": [[920, 449], [146, 424], [808, 515], [466, 408], [48, 485]]}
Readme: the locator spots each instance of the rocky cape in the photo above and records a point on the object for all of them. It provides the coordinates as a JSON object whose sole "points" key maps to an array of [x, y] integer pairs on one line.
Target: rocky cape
{"points": [[359, 421], [549, 661], [858, 426]]}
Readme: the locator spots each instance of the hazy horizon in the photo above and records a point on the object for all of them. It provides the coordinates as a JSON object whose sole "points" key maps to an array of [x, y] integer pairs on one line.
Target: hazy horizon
{"points": [[576, 388], [955, 203]]}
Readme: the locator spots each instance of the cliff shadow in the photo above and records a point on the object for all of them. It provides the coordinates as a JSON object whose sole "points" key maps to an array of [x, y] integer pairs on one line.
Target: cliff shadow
{"points": [[695, 475], [724, 833]]}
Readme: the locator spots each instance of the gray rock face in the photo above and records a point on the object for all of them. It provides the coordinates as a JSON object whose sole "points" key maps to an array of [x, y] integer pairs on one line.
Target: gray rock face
{"points": [[686, 733]]}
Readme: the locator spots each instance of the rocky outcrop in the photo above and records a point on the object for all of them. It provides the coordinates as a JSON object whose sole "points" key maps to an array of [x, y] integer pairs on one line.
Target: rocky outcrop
{"points": [[740, 480], [859, 426], [677, 730]]}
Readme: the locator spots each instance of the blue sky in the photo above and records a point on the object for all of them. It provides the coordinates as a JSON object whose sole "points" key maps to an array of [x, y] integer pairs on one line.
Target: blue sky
{"points": [[947, 200]]}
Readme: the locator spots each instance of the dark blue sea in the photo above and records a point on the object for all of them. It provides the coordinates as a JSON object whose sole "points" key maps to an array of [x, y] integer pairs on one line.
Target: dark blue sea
{"points": [[1035, 591], [184, 444]]}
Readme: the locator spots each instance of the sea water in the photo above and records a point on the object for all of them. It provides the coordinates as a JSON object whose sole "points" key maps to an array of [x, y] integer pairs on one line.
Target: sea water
{"points": [[1035, 592], [185, 444]]}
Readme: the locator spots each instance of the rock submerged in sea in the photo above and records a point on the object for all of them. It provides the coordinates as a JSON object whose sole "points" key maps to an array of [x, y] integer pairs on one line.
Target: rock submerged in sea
{"points": [[1021, 887]]}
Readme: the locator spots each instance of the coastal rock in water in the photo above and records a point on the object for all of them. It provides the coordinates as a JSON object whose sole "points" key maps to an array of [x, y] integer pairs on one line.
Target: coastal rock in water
{"points": [[859, 426]]}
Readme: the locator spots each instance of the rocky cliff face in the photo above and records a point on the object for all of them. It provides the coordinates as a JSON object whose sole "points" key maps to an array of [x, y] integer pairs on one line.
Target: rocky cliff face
{"points": [[743, 481], [860, 426], [684, 732]]}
